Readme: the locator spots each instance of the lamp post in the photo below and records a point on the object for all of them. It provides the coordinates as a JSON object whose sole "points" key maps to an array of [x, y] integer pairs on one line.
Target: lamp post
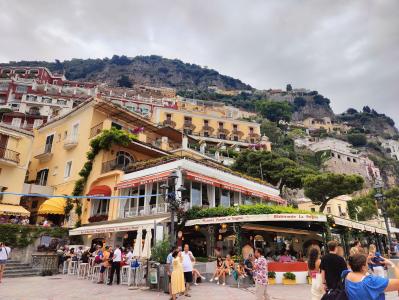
{"points": [[380, 198], [173, 200]]}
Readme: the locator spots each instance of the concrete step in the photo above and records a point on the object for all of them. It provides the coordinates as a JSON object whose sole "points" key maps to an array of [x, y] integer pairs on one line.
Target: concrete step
{"points": [[15, 266], [18, 270], [26, 274]]}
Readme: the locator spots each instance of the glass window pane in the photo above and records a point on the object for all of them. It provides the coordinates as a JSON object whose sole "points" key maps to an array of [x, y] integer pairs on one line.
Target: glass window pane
{"points": [[196, 194], [217, 196], [205, 200], [225, 198]]}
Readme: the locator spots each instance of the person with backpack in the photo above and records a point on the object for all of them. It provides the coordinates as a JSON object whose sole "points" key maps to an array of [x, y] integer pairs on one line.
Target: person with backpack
{"points": [[4, 256], [359, 285], [332, 265]]}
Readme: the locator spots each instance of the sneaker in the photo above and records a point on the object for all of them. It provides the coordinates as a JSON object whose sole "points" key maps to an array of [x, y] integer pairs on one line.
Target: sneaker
{"points": [[210, 280], [203, 278], [216, 278], [195, 283], [217, 283]]}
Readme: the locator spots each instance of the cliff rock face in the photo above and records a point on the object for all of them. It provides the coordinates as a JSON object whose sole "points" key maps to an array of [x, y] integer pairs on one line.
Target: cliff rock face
{"points": [[311, 109]]}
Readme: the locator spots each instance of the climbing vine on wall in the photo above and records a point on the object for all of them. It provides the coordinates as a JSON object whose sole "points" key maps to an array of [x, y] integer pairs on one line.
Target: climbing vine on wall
{"points": [[104, 141]]}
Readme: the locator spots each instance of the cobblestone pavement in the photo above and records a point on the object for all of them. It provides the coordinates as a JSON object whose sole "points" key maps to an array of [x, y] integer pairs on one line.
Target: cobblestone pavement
{"points": [[63, 287]]}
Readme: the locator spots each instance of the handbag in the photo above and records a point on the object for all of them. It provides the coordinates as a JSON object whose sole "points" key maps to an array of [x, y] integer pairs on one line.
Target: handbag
{"points": [[339, 293]]}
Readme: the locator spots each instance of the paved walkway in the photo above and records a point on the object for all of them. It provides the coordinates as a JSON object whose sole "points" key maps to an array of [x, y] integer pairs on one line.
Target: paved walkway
{"points": [[69, 288]]}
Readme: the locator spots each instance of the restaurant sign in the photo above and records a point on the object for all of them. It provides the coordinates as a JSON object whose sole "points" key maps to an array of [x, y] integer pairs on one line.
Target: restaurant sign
{"points": [[258, 218]]}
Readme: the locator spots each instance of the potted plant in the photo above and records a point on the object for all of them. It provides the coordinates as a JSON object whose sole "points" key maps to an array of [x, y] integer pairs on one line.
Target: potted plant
{"points": [[272, 277], [309, 279], [289, 278]]}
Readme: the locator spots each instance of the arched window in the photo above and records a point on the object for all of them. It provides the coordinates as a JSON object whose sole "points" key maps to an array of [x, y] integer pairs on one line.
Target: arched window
{"points": [[123, 159]]}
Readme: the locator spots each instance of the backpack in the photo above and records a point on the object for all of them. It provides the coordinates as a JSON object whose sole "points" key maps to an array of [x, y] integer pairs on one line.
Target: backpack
{"points": [[339, 293]]}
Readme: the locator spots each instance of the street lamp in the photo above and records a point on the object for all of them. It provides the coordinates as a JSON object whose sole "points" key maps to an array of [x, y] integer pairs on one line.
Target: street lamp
{"points": [[380, 198], [174, 201]]}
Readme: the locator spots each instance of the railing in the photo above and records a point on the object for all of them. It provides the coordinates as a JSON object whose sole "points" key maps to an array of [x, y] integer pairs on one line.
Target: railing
{"points": [[169, 123], [96, 130], [147, 210], [113, 165], [9, 155]]}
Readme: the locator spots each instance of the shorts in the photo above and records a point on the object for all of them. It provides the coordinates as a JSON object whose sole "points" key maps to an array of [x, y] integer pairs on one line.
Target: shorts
{"points": [[102, 269], [188, 277], [3, 261]]}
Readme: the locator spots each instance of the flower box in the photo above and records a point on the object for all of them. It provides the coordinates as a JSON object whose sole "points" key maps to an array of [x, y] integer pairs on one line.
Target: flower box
{"points": [[272, 281], [289, 281]]}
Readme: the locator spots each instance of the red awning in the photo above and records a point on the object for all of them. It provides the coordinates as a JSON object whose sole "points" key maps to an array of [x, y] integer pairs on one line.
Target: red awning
{"points": [[100, 190], [144, 180], [202, 179]]}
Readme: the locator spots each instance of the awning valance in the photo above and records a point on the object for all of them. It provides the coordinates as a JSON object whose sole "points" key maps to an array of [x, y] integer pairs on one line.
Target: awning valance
{"points": [[357, 225], [144, 180], [100, 190], [115, 227], [53, 206], [13, 210], [258, 218], [232, 187]]}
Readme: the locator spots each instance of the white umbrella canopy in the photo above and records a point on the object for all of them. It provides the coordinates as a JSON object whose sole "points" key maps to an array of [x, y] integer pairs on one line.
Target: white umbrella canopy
{"points": [[147, 244], [137, 246]]}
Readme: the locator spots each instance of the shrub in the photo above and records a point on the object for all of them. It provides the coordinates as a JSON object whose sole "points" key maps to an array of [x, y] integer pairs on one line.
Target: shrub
{"points": [[289, 275], [271, 274], [160, 251], [357, 139]]}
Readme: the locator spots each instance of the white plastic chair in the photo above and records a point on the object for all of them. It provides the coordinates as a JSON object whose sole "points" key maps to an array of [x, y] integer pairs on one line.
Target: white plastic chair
{"points": [[72, 267]]}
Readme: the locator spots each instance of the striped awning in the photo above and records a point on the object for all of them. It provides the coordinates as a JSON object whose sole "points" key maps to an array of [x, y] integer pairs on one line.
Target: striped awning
{"points": [[53, 206], [144, 180], [13, 210]]}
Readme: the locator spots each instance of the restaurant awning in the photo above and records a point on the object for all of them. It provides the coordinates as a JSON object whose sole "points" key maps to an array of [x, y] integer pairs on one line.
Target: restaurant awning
{"points": [[232, 187], [115, 227], [144, 180], [358, 225], [259, 218], [13, 210], [100, 190], [53, 206]]}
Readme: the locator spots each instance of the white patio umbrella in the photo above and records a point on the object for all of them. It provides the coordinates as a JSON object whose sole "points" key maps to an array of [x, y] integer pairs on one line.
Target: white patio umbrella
{"points": [[147, 244], [137, 246]]}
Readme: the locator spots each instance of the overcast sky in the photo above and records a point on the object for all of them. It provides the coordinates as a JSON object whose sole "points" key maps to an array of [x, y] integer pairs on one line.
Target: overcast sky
{"points": [[347, 50]]}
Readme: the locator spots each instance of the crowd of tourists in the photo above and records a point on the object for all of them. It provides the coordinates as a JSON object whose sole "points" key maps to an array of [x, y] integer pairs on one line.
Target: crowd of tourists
{"points": [[363, 276], [108, 257]]}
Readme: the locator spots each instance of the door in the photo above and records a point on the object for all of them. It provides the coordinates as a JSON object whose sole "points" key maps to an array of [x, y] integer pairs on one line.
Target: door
{"points": [[49, 143], [3, 144], [41, 177]]}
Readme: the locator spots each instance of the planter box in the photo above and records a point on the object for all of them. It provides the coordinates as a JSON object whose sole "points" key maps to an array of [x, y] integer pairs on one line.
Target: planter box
{"points": [[289, 281], [272, 281], [309, 280]]}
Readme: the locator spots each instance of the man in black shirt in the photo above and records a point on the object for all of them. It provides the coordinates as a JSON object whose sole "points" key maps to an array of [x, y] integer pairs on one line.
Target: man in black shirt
{"points": [[332, 266]]}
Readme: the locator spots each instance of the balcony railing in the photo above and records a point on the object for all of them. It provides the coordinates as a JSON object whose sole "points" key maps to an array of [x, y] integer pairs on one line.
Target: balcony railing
{"points": [[147, 210], [113, 165], [96, 130], [169, 123], [9, 155], [43, 153], [71, 142]]}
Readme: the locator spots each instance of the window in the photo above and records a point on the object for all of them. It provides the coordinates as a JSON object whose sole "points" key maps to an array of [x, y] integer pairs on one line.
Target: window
{"points": [[225, 198], [41, 177], [222, 136], [116, 126], [329, 210], [204, 190], [339, 156], [75, 131], [123, 159], [100, 207], [206, 133], [251, 130], [252, 141], [348, 159], [21, 89], [49, 143], [235, 127], [206, 122], [332, 154], [220, 125], [313, 209], [61, 102], [169, 117], [3, 86], [196, 194], [217, 196], [68, 168], [340, 209], [16, 122], [235, 138], [34, 111], [354, 160]]}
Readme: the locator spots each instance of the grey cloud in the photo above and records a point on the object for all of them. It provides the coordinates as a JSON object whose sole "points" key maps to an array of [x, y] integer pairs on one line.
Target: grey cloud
{"points": [[347, 50]]}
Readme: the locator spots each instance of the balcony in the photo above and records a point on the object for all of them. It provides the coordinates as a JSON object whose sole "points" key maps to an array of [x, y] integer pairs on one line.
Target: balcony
{"points": [[44, 154], [31, 188], [96, 130], [147, 210], [9, 157], [112, 165], [169, 123], [188, 126], [98, 218], [71, 142]]}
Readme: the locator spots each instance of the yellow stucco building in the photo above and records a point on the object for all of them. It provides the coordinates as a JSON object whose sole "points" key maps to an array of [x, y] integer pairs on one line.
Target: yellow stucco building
{"points": [[60, 147], [15, 152]]}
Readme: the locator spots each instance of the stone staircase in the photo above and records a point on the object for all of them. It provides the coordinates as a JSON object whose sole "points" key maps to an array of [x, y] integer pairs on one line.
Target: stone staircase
{"points": [[17, 269]]}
